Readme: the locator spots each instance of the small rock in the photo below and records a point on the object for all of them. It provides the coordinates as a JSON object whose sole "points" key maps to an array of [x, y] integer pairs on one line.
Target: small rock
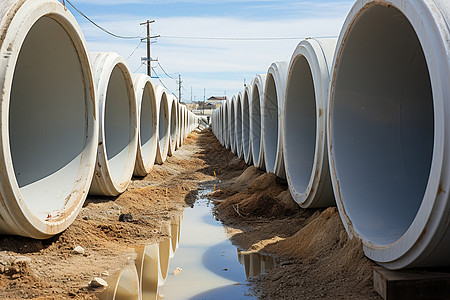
{"points": [[22, 259], [126, 218], [177, 271], [105, 274], [79, 250], [85, 218], [97, 282]]}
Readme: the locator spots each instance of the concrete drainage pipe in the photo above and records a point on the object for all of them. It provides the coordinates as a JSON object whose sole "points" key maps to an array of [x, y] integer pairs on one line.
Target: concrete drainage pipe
{"points": [[226, 127], [173, 121], [238, 127], [304, 134], [163, 126], [149, 270], [232, 124], [246, 104], [272, 113], [117, 140], [178, 125], [389, 131], [183, 125], [220, 125], [49, 124], [257, 145], [122, 286], [147, 124]]}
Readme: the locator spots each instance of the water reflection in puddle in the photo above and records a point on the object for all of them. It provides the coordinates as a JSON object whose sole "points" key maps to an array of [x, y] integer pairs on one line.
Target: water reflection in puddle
{"points": [[206, 264]]}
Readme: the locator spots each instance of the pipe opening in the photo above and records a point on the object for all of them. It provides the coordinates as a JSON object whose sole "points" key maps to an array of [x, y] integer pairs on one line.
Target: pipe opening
{"points": [[301, 124], [245, 125], [382, 124], [239, 126], [148, 121], [48, 119], [119, 127], [173, 122], [232, 126], [226, 127], [256, 123], [163, 122], [270, 122]]}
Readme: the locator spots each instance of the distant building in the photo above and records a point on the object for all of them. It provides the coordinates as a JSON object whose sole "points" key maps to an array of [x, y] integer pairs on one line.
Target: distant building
{"points": [[214, 102]]}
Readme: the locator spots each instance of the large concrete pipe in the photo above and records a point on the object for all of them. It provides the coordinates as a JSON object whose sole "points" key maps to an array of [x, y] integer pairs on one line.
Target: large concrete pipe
{"points": [[226, 126], [232, 124], [183, 123], [220, 124], [49, 124], [304, 134], [272, 113], [389, 127], [246, 104], [149, 271], [257, 145], [147, 124], [173, 121], [163, 126], [178, 145], [122, 286], [238, 127], [117, 139]]}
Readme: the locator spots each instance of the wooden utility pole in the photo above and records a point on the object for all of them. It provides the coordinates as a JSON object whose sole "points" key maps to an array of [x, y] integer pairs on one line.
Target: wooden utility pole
{"points": [[179, 87], [148, 38]]}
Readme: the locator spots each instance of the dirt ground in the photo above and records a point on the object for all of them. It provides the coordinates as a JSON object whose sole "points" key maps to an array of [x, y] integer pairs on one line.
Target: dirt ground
{"points": [[317, 258]]}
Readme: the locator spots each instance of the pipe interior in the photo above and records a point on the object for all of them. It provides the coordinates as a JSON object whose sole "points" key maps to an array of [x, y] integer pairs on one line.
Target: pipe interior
{"points": [[383, 124], [270, 122], [48, 118], [148, 122], [118, 125], [173, 121], [239, 124], [163, 121], [245, 124], [300, 120], [256, 123], [232, 126], [225, 128]]}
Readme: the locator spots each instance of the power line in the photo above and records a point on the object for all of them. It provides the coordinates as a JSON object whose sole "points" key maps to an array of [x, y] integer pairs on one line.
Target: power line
{"points": [[162, 82], [237, 38], [139, 67], [165, 71], [134, 50], [100, 27]]}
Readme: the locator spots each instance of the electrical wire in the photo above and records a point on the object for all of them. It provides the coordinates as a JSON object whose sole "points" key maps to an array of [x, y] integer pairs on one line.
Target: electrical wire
{"points": [[162, 82], [165, 71], [134, 50], [139, 67], [237, 38], [100, 27]]}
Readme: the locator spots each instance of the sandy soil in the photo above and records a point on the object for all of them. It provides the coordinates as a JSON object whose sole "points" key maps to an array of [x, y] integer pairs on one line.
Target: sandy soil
{"points": [[317, 259]]}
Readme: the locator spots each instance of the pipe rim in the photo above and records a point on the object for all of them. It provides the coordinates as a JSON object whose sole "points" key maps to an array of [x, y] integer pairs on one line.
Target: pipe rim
{"points": [[246, 124], [163, 142], [238, 127], [257, 144], [430, 225], [19, 217]]}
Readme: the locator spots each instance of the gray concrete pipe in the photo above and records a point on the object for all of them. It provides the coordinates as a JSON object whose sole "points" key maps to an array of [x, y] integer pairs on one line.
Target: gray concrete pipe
{"points": [[163, 126], [238, 127], [147, 124], [117, 139], [232, 124], [173, 121], [179, 125], [272, 114], [304, 135], [183, 123], [389, 130], [49, 122], [246, 105], [226, 127], [256, 141]]}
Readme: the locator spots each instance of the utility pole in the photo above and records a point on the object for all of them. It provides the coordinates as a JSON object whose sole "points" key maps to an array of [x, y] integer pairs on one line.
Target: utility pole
{"points": [[191, 93], [179, 87], [148, 38], [204, 100]]}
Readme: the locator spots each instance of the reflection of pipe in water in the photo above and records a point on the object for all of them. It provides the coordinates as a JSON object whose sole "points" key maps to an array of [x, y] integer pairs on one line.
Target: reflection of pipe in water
{"points": [[148, 268], [254, 263], [122, 286]]}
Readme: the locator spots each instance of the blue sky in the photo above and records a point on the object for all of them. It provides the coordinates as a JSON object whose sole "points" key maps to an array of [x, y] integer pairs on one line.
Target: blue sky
{"points": [[219, 66]]}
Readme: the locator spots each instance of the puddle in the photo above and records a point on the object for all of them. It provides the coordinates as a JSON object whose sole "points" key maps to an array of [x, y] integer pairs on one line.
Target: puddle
{"points": [[205, 266]]}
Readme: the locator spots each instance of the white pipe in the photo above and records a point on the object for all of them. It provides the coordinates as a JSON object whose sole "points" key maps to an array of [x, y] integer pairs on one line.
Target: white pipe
{"points": [[304, 134], [246, 106], [272, 113], [256, 141], [173, 121], [164, 125], [49, 120], [149, 271], [117, 139], [178, 145], [147, 124], [238, 127], [226, 127], [183, 124], [388, 130], [232, 124]]}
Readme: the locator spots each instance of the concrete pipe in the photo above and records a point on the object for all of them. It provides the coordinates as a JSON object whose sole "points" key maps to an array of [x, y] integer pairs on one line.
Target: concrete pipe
{"points": [[178, 145], [183, 125], [173, 121], [232, 124], [122, 286], [388, 130], [147, 124], [163, 125], [238, 127], [226, 127], [256, 141], [272, 114], [220, 125], [118, 138], [49, 124], [149, 272], [246, 104], [304, 134]]}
